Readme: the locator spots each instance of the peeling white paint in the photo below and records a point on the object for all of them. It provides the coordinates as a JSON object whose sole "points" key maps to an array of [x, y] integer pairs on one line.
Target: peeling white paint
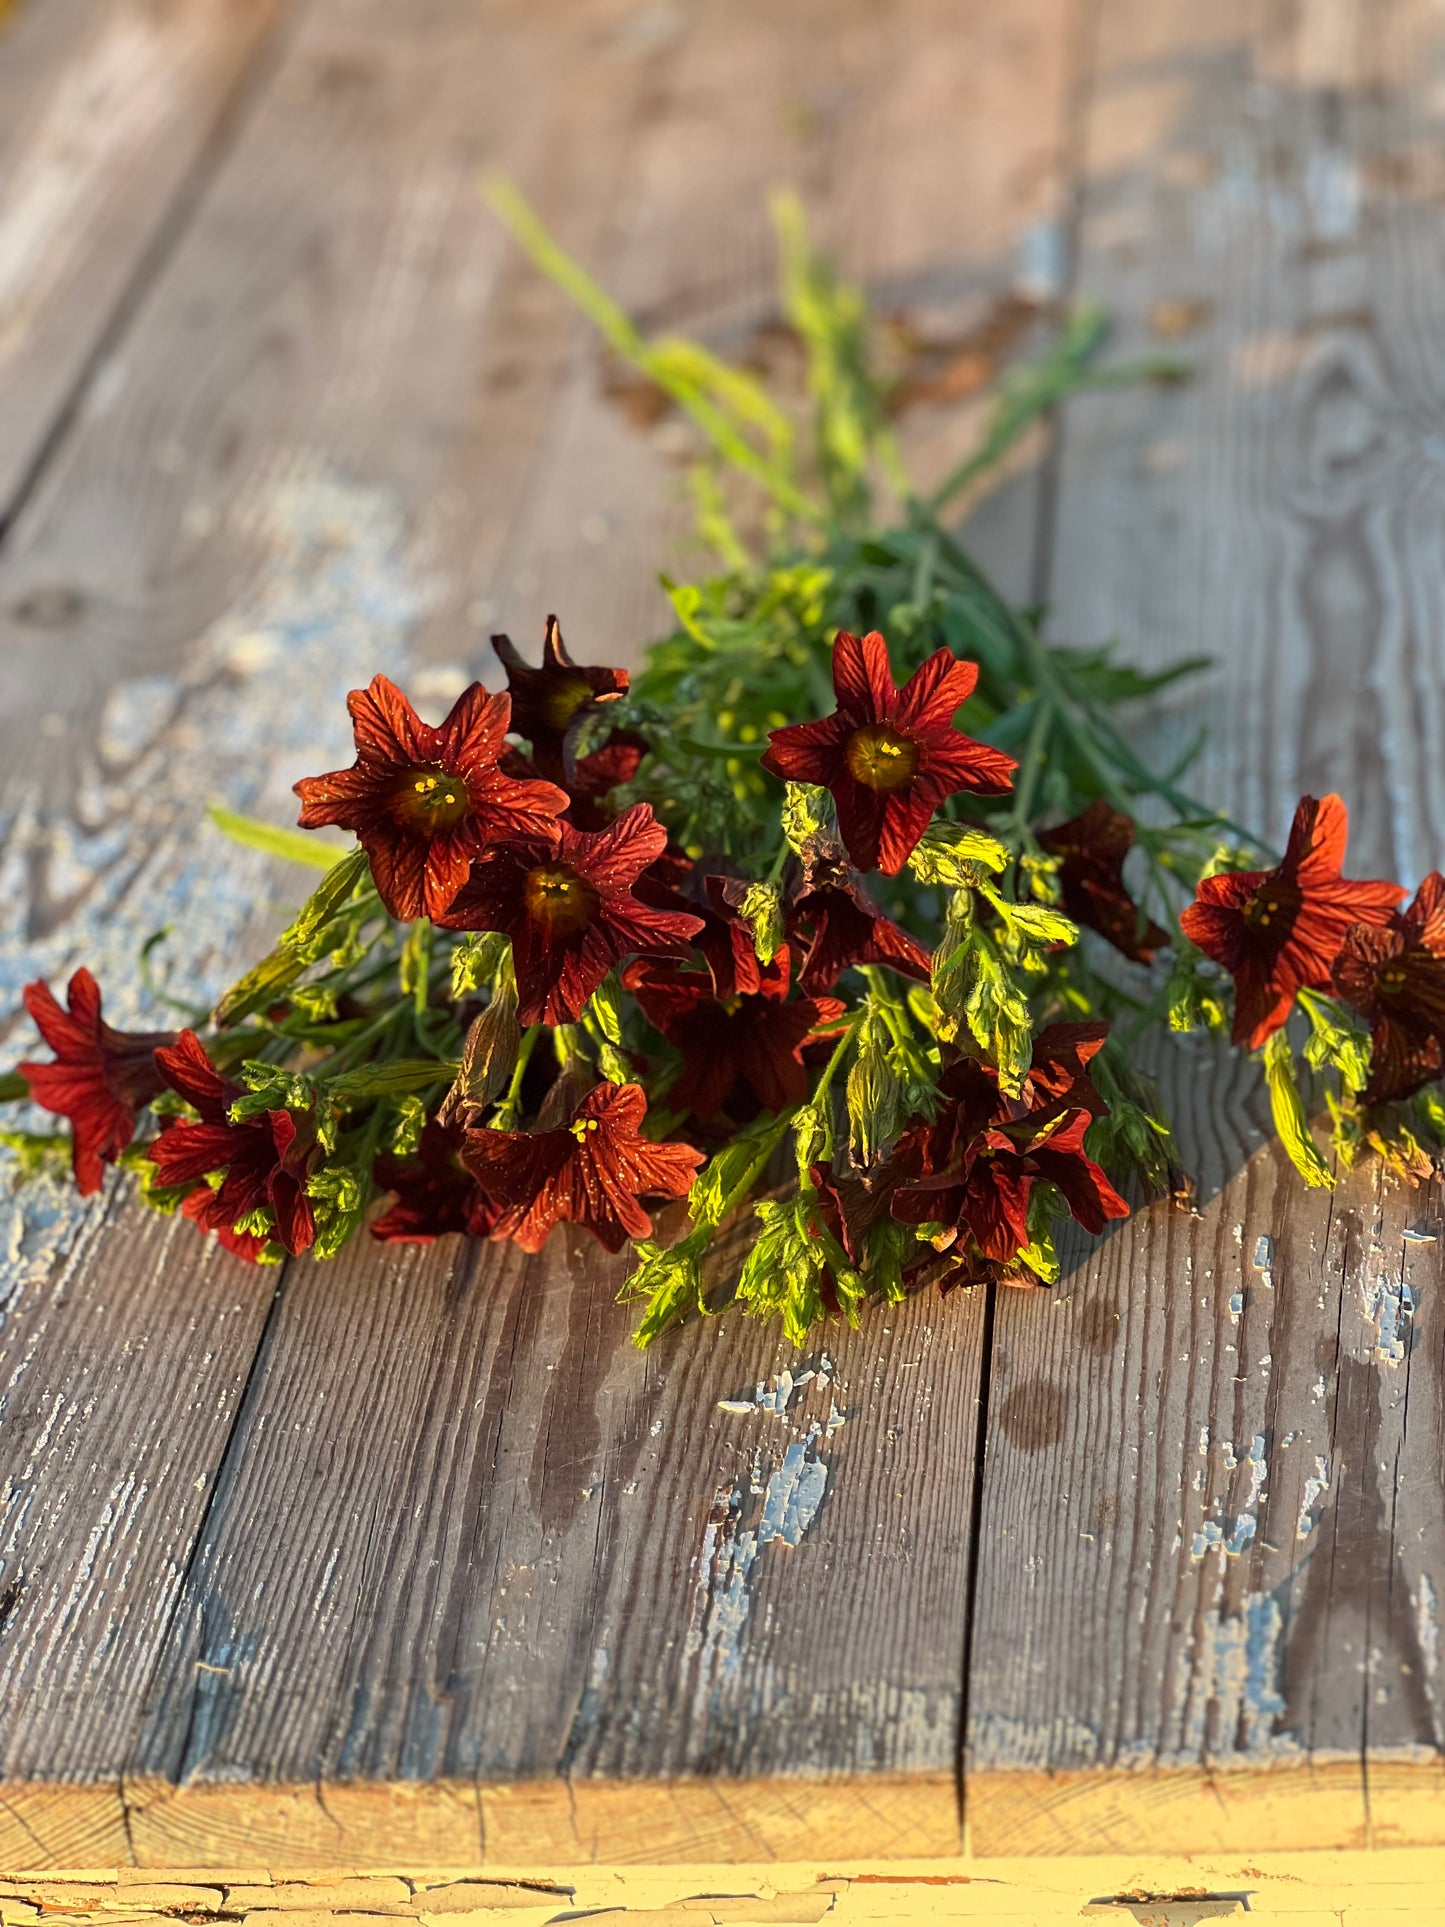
{"points": [[332, 593], [1234, 1703], [1315, 1487], [794, 1494], [1390, 1307], [1427, 1624], [728, 1564]]}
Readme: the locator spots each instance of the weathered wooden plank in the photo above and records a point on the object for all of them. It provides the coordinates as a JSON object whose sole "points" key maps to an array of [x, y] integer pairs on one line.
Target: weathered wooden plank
{"points": [[1213, 1517], [523, 1558], [210, 585], [473, 1596], [106, 112], [188, 598]]}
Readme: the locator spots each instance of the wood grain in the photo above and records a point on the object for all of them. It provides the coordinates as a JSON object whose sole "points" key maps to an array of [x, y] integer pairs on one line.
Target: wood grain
{"points": [[572, 1634], [341, 407], [524, 1558], [1213, 1519], [109, 114]]}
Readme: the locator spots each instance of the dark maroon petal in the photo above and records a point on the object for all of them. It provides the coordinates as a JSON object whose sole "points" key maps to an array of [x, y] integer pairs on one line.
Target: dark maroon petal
{"points": [[190, 1073], [863, 677], [934, 694], [995, 1205], [386, 727]]}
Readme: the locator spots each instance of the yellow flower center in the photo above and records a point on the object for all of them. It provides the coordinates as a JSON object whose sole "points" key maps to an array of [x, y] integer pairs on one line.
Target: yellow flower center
{"points": [[431, 800], [558, 899], [880, 759], [1259, 911], [580, 1126]]}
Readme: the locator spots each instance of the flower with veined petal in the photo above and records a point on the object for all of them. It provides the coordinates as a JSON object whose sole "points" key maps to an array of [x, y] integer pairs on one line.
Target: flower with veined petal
{"points": [[592, 1170], [100, 1077], [266, 1159], [739, 1044], [1394, 976], [570, 910], [424, 802], [1279, 931], [890, 756], [434, 1192], [1092, 847], [550, 704]]}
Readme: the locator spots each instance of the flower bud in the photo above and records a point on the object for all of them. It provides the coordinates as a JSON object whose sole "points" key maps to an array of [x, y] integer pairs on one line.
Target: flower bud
{"points": [[488, 1057], [875, 1092], [956, 855], [807, 812], [762, 910]]}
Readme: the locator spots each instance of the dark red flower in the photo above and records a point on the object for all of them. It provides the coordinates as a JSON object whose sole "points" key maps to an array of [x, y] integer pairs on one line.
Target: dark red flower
{"points": [[725, 942], [1279, 931], [100, 1078], [748, 1041], [843, 927], [591, 1171], [890, 756], [1394, 976], [570, 910], [594, 776], [1058, 1072], [266, 1159], [435, 1193], [422, 801], [1093, 847], [550, 704], [975, 1166]]}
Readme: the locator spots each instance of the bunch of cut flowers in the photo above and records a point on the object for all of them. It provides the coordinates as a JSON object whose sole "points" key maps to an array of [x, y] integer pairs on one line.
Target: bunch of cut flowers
{"points": [[839, 930]]}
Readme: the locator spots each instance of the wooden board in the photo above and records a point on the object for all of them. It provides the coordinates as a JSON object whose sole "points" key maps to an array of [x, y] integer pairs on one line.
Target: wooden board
{"points": [[340, 410], [1213, 1526], [111, 116]]}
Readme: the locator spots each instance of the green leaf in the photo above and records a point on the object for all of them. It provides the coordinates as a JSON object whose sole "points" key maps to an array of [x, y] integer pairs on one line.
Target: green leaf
{"points": [[762, 910], [1290, 1119], [40, 1153], [875, 1095], [294, 846], [954, 854], [669, 1282], [782, 1276], [340, 1194], [264, 984], [311, 921], [390, 1077], [807, 812]]}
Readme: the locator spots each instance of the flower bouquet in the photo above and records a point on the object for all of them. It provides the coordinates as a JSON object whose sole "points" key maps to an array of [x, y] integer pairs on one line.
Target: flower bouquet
{"points": [[844, 922]]}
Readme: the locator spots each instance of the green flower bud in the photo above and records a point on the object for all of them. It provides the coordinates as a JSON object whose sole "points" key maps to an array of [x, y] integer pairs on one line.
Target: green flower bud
{"points": [[807, 811], [956, 855], [876, 1106], [762, 910]]}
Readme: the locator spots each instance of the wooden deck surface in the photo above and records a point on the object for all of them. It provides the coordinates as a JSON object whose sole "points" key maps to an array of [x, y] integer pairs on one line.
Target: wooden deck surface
{"points": [[413, 1554]]}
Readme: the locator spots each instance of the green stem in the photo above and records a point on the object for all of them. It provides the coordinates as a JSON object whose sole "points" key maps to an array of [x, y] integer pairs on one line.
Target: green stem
{"points": [[1031, 766], [511, 1103], [13, 1088], [820, 1089], [781, 1126]]}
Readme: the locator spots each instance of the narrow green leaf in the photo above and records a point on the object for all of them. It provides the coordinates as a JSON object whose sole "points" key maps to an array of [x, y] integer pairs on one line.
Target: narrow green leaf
{"points": [[1290, 1119], [293, 846]]}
